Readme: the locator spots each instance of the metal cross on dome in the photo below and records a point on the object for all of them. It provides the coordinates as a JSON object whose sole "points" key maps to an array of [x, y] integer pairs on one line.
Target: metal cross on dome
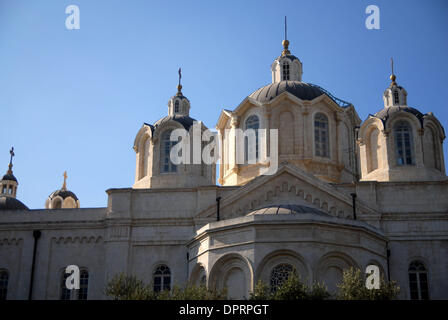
{"points": [[64, 186], [11, 152]]}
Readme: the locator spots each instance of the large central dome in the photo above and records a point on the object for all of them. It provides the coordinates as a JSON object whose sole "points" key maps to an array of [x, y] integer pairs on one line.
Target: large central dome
{"points": [[301, 90]]}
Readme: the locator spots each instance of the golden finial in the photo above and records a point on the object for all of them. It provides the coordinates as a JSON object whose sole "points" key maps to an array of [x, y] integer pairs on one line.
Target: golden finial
{"points": [[64, 185], [392, 76], [285, 43], [11, 152], [179, 86]]}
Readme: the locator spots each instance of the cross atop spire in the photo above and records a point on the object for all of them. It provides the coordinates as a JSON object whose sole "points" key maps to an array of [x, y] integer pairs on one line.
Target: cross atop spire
{"points": [[64, 185], [179, 87], [285, 42], [11, 152], [392, 76]]}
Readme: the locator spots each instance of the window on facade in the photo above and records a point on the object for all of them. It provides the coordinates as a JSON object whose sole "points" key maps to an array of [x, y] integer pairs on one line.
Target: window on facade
{"points": [[162, 278], [65, 293], [418, 281], [403, 143], [83, 285], [4, 279], [321, 143], [176, 106], [285, 70], [251, 123], [280, 274], [396, 100], [4, 190], [165, 148]]}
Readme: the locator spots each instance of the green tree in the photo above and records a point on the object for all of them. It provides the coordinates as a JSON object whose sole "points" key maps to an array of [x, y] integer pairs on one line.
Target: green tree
{"points": [[291, 289], [128, 287], [191, 292], [125, 287], [353, 287], [261, 292]]}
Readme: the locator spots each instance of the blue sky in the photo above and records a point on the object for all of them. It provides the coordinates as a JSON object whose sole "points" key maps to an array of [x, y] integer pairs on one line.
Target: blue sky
{"points": [[74, 99]]}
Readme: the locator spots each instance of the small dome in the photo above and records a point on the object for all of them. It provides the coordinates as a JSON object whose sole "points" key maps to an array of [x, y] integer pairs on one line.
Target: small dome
{"points": [[386, 113], [9, 177], [180, 97], [62, 198], [10, 203], [286, 209], [63, 194], [289, 56], [185, 121], [301, 90]]}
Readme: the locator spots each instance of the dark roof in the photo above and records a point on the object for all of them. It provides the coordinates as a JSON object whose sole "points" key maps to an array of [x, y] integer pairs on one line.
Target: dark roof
{"points": [[287, 209], [63, 194], [9, 177], [10, 203], [302, 90], [289, 56], [386, 113], [186, 121], [181, 97]]}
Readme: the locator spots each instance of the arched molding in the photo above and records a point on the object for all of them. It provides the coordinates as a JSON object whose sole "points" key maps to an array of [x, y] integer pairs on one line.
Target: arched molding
{"points": [[224, 265], [196, 273], [145, 130], [277, 257], [368, 125], [336, 259]]}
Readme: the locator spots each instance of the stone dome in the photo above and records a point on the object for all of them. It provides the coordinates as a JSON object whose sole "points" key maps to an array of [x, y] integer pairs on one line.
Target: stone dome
{"points": [[289, 56], [386, 113], [9, 177], [185, 121], [63, 194], [62, 198], [11, 203], [287, 209], [301, 90]]}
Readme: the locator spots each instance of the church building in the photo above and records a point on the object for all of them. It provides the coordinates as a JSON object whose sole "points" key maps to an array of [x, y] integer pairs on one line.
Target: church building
{"points": [[347, 193]]}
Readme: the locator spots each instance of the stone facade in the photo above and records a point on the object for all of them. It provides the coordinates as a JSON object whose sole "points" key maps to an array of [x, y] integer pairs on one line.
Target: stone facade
{"points": [[302, 216]]}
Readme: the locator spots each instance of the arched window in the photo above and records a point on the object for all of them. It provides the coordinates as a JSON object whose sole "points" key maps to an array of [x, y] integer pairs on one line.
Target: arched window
{"points": [[251, 123], [280, 274], [321, 147], [65, 293], [162, 278], [396, 100], [165, 148], [4, 279], [403, 143], [83, 285], [176, 106], [285, 70], [418, 281]]}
